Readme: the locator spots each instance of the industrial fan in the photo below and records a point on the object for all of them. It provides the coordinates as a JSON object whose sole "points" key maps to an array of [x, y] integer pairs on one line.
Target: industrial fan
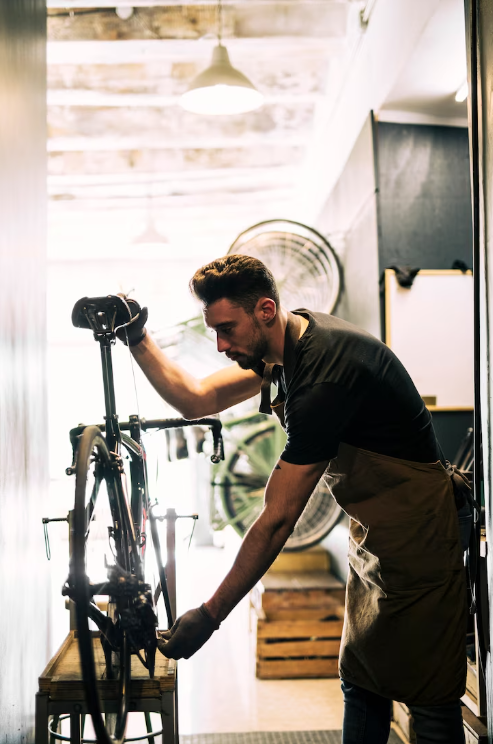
{"points": [[307, 274], [302, 261]]}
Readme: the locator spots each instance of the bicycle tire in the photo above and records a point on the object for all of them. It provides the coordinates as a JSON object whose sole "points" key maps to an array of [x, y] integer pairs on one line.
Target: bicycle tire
{"points": [[111, 729], [242, 479]]}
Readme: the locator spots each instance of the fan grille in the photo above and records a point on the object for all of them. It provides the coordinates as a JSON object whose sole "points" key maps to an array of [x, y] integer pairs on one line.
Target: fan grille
{"points": [[303, 263]]}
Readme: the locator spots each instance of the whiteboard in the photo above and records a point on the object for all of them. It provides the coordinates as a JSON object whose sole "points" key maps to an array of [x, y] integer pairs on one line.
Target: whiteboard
{"points": [[430, 328]]}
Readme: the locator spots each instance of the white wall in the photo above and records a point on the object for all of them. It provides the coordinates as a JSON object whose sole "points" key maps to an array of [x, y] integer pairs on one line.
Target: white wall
{"points": [[349, 218]]}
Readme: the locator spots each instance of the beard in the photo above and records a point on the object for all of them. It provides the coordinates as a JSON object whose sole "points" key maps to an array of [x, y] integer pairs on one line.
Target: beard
{"points": [[256, 351]]}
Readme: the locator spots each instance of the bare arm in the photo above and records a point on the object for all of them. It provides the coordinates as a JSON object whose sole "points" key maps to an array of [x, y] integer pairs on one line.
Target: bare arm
{"points": [[288, 490], [192, 397]]}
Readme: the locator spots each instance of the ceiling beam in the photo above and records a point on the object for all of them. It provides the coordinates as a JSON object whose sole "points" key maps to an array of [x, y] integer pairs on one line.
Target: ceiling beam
{"points": [[156, 124], [100, 99], [74, 4], [126, 71], [185, 50], [160, 161], [216, 191], [112, 144], [180, 210], [316, 19], [166, 178]]}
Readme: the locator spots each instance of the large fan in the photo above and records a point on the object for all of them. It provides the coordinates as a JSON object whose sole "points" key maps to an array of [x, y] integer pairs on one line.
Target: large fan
{"points": [[307, 274], [302, 261]]}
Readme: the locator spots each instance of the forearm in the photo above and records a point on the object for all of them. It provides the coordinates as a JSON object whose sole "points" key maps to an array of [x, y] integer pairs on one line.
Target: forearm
{"points": [[192, 397], [288, 490], [176, 386], [262, 544]]}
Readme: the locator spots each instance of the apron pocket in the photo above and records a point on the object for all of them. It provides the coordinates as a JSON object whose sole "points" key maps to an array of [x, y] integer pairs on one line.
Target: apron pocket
{"points": [[416, 553]]}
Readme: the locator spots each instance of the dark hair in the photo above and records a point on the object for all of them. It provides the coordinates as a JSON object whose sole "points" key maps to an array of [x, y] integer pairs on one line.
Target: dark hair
{"points": [[240, 279]]}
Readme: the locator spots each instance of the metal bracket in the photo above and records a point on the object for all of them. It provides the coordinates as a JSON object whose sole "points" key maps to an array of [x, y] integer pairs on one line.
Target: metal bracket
{"points": [[46, 521]]}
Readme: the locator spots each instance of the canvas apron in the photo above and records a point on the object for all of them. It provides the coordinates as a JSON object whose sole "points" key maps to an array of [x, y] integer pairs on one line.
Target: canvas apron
{"points": [[405, 623]]}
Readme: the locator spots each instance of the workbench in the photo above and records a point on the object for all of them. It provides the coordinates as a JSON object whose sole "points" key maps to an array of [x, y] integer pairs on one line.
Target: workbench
{"points": [[61, 691]]}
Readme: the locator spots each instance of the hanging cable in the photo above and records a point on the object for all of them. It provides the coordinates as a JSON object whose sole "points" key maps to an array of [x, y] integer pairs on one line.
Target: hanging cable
{"points": [[219, 21]]}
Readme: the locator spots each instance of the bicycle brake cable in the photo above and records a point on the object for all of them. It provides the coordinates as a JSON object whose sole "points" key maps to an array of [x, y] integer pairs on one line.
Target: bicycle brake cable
{"points": [[191, 535]]}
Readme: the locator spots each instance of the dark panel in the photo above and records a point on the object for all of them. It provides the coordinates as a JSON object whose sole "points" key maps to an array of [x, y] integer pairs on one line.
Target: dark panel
{"points": [[450, 428], [424, 196], [23, 437]]}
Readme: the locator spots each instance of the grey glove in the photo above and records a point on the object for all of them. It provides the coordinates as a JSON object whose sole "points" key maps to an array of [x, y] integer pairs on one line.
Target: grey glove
{"points": [[135, 331], [188, 634]]}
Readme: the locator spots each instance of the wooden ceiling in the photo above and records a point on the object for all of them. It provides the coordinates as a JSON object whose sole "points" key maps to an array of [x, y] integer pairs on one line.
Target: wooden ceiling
{"points": [[119, 144]]}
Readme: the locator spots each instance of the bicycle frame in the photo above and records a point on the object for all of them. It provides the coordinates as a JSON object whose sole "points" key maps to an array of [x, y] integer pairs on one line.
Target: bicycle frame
{"points": [[131, 621], [130, 519]]}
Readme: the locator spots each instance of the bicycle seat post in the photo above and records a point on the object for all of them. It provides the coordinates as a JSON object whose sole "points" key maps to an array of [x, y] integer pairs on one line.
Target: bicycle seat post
{"points": [[104, 316], [113, 436]]}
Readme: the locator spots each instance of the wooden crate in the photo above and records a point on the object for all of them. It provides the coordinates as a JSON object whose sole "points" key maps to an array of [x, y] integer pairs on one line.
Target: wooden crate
{"points": [[474, 728], [470, 697], [299, 596], [404, 721], [298, 648], [313, 559], [299, 626]]}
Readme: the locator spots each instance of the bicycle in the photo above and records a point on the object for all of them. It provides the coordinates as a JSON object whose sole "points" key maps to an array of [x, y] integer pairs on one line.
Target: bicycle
{"points": [[129, 625]]}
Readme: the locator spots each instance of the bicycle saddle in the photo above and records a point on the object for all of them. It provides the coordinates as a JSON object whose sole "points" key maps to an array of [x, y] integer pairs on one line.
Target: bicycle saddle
{"points": [[101, 314]]}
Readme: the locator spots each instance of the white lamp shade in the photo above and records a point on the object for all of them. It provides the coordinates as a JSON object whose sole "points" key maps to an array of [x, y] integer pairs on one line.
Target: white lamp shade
{"points": [[221, 89]]}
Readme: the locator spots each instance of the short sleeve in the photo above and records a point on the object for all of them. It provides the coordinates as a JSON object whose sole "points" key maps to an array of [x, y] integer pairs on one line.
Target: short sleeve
{"points": [[316, 419]]}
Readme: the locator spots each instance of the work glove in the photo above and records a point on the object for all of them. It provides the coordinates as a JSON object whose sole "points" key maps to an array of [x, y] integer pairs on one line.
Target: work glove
{"points": [[188, 634], [136, 331]]}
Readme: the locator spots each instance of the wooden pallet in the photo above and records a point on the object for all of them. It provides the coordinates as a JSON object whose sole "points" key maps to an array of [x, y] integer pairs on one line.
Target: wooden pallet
{"points": [[470, 697], [62, 679], [303, 561], [404, 722], [298, 648], [475, 730], [299, 596], [300, 618]]}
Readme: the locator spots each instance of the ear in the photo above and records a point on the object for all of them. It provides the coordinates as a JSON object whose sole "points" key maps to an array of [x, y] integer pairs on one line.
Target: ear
{"points": [[265, 309]]}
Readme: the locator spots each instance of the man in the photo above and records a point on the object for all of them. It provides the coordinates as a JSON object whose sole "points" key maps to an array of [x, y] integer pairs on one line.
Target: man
{"points": [[351, 412]]}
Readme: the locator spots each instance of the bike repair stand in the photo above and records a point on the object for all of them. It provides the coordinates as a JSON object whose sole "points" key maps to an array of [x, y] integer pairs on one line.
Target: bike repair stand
{"points": [[61, 692]]}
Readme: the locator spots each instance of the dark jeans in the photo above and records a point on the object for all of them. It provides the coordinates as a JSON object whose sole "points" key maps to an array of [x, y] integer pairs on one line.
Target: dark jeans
{"points": [[367, 719]]}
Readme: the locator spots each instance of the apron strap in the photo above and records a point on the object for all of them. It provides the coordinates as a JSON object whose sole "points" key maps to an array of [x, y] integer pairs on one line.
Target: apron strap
{"points": [[291, 337], [265, 406], [463, 495]]}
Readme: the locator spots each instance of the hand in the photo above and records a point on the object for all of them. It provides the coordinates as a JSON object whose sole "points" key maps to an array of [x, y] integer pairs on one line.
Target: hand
{"points": [[134, 332], [188, 634]]}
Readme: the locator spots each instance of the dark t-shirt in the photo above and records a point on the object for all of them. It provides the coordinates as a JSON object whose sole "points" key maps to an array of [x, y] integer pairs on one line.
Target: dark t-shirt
{"points": [[347, 386]]}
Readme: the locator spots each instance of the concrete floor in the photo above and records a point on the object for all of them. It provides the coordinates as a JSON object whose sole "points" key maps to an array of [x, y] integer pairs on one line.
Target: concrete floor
{"points": [[218, 688]]}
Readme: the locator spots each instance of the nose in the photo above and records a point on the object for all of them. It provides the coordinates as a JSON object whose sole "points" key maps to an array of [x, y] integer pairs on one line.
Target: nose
{"points": [[222, 344]]}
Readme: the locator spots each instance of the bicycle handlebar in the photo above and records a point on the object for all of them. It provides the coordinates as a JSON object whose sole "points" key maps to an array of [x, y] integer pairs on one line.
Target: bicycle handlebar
{"points": [[174, 423], [214, 425]]}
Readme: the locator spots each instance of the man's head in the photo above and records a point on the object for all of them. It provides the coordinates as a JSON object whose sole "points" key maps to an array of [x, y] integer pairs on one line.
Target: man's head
{"points": [[240, 301], [241, 279]]}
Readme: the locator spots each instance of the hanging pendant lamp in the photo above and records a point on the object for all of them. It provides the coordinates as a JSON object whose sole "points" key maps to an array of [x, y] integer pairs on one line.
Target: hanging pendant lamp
{"points": [[221, 89]]}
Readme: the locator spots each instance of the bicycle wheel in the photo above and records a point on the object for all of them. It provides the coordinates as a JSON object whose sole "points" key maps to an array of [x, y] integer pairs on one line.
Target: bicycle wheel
{"points": [[242, 479], [97, 523]]}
